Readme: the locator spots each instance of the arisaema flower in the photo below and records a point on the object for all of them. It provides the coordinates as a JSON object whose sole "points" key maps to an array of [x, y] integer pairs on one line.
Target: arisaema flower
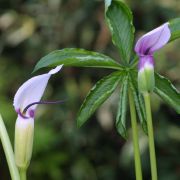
{"points": [[25, 102], [145, 47]]}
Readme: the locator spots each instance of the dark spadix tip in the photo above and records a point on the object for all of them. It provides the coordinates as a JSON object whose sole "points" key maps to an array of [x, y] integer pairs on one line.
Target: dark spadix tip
{"points": [[42, 102]]}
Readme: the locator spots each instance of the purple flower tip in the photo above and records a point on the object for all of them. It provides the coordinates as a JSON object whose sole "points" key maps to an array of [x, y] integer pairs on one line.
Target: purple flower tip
{"points": [[153, 40], [31, 113], [146, 62]]}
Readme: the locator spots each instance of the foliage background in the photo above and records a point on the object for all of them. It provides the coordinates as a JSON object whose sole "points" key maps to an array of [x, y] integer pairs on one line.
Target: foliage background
{"points": [[29, 30]]}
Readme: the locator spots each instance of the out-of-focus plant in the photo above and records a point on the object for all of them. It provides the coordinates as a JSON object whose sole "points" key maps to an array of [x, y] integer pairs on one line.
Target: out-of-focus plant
{"points": [[120, 21]]}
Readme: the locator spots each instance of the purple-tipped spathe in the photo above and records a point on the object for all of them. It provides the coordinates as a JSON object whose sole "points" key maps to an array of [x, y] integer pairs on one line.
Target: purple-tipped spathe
{"points": [[145, 48], [153, 40], [25, 102], [31, 91]]}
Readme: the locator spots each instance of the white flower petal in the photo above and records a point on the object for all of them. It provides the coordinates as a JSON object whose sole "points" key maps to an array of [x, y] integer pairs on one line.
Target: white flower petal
{"points": [[55, 70], [32, 90]]}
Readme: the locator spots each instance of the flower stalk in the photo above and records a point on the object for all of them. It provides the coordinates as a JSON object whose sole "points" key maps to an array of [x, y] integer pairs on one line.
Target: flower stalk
{"points": [[150, 136], [8, 151], [137, 158], [22, 174]]}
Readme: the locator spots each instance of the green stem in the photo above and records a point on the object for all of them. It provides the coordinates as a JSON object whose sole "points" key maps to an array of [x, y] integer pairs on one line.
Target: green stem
{"points": [[22, 174], [150, 136], [8, 151], [137, 158]]}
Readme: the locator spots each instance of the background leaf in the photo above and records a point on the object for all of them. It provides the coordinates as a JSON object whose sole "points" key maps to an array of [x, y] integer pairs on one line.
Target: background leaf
{"points": [[165, 89], [139, 101], [97, 95], [77, 57], [122, 108], [174, 26], [119, 19]]}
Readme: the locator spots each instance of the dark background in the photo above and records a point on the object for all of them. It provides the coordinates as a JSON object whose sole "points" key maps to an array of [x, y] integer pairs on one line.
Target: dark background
{"points": [[29, 30]]}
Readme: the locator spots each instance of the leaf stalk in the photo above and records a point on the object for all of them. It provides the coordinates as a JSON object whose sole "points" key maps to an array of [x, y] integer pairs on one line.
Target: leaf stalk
{"points": [[8, 151], [137, 159]]}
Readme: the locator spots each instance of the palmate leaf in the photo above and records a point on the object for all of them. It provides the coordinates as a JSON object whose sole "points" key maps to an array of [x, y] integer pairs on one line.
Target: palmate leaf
{"points": [[174, 26], [165, 89], [77, 57], [119, 19], [122, 108], [139, 101], [97, 95]]}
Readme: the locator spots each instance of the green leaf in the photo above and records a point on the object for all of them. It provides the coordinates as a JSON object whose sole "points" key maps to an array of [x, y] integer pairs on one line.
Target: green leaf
{"points": [[97, 95], [139, 101], [119, 19], [165, 89], [77, 57], [122, 108], [174, 26]]}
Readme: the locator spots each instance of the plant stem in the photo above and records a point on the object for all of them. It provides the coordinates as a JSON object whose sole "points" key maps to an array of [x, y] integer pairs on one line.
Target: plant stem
{"points": [[150, 136], [137, 158], [22, 174], [8, 151]]}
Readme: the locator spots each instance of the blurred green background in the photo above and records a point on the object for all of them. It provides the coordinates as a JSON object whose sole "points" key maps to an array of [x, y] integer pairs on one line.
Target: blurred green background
{"points": [[29, 30]]}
